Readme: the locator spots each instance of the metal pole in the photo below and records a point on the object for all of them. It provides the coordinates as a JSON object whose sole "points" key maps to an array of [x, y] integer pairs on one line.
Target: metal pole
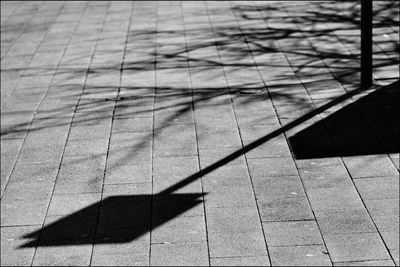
{"points": [[366, 43]]}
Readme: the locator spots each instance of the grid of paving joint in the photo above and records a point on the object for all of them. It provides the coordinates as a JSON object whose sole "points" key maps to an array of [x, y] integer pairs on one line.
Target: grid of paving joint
{"points": [[197, 133]]}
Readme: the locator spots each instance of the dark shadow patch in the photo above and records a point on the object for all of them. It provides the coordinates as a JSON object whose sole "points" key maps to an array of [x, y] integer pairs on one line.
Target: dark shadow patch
{"points": [[122, 219], [368, 126]]}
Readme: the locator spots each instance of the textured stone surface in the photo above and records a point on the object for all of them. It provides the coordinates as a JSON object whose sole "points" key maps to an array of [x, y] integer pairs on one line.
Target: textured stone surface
{"points": [[238, 244], [344, 221], [356, 247], [300, 256], [196, 133], [185, 254], [296, 233], [240, 261], [285, 209], [378, 187]]}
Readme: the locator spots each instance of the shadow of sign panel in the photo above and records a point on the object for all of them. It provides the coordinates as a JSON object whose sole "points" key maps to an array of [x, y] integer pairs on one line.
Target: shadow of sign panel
{"points": [[122, 219], [368, 126]]}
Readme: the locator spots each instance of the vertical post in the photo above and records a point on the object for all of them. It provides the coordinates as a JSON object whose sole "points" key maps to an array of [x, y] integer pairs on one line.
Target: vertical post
{"points": [[366, 43]]}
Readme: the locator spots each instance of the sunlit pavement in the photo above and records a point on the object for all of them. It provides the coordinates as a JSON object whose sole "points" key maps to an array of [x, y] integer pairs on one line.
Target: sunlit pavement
{"points": [[197, 133]]}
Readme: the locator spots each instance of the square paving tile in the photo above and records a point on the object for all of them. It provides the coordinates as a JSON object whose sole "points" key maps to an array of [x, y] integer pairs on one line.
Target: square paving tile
{"points": [[272, 167], [344, 221], [285, 209], [236, 244], [356, 247], [178, 254], [315, 255], [296, 233]]}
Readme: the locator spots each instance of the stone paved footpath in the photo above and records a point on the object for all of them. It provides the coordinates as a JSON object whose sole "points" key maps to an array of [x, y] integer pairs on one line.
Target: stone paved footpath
{"points": [[197, 133]]}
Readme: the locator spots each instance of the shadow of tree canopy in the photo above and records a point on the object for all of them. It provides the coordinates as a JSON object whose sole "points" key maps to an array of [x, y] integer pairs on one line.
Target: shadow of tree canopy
{"points": [[308, 38]]}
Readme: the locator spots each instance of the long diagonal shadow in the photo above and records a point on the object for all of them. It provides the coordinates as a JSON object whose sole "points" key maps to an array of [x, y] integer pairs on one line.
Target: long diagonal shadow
{"points": [[125, 218]]}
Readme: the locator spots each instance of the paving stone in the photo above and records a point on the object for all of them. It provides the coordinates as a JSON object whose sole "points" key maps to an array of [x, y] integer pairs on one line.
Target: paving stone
{"points": [[65, 230], [70, 255], [11, 146], [365, 263], [180, 166], [33, 173], [180, 229], [232, 219], [129, 156], [256, 117], [226, 175], [127, 189], [240, 261], [121, 259], [334, 198], [266, 188], [370, 166], [86, 147], [91, 105], [230, 196], [11, 132], [383, 207], [378, 187], [172, 117], [79, 132], [161, 183], [211, 156], [214, 124], [4, 175], [28, 191], [177, 204], [8, 162], [395, 255], [129, 212], [323, 172], [68, 204], [138, 111], [387, 223], [251, 133], [236, 244], [315, 255], [272, 167], [43, 155], [332, 180], [17, 258], [395, 159], [179, 254], [73, 186], [47, 136], [103, 117], [285, 209], [139, 173], [83, 165], [189, 149], [23, 212], [132, 140], [132, 125], [344, 221], [91, 178], [356, 247], [218, 139], [11, 242], [116, 241], [270, 149], [296, 233], [391, 239]]}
